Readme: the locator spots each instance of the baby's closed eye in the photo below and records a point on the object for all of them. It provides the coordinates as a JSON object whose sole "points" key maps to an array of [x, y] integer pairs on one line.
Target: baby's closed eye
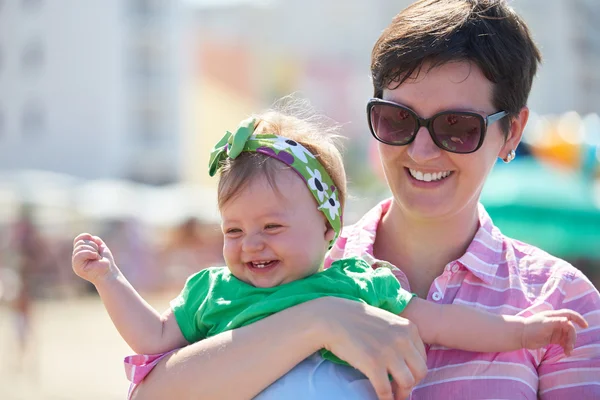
{"points": [[272, 226]]}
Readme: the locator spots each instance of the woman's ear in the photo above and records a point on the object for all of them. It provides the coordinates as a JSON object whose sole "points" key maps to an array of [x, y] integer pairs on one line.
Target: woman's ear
{"points": [[515, 132]]}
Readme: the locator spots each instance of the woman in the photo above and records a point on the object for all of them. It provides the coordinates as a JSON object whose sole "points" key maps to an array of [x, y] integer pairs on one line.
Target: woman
{"points": [[451, 80]]}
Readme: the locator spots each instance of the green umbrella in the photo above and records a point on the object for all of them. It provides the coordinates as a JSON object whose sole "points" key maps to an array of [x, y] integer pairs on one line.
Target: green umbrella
{"points": [[546, 207]]}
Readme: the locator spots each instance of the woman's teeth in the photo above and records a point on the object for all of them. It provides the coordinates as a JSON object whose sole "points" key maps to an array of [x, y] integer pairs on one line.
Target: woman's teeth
{"points": [[428, 177]]}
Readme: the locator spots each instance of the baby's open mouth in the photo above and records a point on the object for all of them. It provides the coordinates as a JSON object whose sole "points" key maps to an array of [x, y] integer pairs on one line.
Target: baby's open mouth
{"points": [[262, 264]]}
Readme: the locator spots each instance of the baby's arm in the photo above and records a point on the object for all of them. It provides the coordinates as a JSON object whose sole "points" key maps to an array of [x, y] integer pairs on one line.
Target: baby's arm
{"points": [[140, 325], [467, 328]]}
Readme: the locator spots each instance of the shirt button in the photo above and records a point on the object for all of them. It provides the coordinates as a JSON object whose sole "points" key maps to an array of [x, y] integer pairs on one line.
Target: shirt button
{"points": [[437, 296], [455, 268]]}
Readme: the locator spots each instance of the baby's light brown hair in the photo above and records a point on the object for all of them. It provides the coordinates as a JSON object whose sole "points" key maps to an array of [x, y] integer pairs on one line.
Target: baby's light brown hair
{"points": [[294, 119]]}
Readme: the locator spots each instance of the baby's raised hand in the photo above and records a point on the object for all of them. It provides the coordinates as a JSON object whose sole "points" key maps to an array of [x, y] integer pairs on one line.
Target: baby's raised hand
{"points": [[552, 327], [92, 259]]}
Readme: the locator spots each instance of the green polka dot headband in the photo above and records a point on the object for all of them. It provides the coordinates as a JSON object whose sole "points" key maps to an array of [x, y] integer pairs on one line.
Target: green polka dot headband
{"points": [[288, 152]]}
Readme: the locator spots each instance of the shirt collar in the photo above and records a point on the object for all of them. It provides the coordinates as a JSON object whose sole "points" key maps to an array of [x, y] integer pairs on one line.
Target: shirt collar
{"points": [[485, 253], [482, 257]]}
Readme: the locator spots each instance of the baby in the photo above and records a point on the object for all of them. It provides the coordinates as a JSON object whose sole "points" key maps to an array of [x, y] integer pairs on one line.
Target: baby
{"points": [[281, 193]]}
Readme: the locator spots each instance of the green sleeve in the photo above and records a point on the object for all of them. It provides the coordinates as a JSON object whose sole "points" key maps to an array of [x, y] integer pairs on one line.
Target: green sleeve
{"points": [[376, 287], [188, 305], [391, 296]]}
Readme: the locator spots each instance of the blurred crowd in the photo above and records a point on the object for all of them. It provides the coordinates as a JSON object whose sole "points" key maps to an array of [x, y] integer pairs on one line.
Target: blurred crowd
{"points": [[35, 264]]}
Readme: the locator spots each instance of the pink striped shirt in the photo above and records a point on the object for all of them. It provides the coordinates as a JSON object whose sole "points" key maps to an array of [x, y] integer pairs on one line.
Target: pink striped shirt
{"points": [[503, 276]]}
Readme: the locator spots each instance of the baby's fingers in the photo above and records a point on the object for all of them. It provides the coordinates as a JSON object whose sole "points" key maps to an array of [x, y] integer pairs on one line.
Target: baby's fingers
{"points": [[569, 337], [82, 237], [91, 240], [80, 257], [86, 245], [571, 315], [577, 318], [564, 334]]}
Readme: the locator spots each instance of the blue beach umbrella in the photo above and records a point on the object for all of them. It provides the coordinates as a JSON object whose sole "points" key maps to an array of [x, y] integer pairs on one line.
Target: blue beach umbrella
{"points": [[553, 209]]}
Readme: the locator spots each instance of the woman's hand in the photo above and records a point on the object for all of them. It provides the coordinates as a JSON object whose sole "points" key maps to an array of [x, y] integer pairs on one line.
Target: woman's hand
{"points": [[374, 341]]}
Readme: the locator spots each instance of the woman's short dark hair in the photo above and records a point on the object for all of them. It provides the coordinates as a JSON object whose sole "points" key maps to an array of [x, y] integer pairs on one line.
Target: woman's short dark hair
{"points": [[487, 33]]}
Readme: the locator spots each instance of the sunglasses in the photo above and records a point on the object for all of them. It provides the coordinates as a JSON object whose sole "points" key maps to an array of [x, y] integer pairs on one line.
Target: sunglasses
{"points": [[459, 132]]}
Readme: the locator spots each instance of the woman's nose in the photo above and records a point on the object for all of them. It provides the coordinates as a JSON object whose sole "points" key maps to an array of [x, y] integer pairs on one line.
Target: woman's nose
{"points": [[423, 149]]}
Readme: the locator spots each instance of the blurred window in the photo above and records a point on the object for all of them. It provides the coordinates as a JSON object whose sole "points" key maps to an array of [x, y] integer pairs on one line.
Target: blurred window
{"points": [[32, 57], [147, 59], [145, 8], [149, 122], [31, 4], [32, 119]]}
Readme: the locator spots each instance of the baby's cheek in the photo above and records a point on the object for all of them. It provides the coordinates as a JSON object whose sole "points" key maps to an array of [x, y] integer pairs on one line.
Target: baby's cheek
{"points": [[230, 254], [309, 262]]}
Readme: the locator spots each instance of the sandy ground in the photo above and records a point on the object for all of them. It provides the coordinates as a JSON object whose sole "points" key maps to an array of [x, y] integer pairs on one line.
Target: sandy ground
{"points": [[75, 353]]}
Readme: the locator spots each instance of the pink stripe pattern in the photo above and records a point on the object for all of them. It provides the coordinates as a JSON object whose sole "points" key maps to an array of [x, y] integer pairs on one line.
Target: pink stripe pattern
{"points": [[500, 275], [138, 366]]}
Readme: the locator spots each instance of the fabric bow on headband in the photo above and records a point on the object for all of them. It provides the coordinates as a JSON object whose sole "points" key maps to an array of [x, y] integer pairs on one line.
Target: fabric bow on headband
{"points": [[289, 152]]}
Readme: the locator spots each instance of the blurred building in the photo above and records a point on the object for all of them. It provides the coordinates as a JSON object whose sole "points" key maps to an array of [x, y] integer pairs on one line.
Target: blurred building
{"points": [[568, 34], [142, 89], [91, 88]]}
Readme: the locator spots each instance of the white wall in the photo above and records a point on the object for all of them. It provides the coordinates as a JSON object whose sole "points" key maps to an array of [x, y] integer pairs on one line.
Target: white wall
{"points": [[557, 25], [85, 87]]}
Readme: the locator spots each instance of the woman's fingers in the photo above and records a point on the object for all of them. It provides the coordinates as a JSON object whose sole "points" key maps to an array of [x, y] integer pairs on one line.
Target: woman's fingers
{"points": [[400, 393], [409, 371], [379, 362], [404, 381], [416, 361], [411, 350], [381, 383]]}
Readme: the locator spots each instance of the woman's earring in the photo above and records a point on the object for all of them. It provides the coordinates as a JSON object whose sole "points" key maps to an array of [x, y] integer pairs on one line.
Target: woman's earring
{"points": [[511, 156]]}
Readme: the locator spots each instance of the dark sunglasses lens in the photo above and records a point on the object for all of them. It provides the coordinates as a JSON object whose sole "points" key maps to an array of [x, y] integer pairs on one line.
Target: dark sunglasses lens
{"points": [[457, 132], [392, 124]]}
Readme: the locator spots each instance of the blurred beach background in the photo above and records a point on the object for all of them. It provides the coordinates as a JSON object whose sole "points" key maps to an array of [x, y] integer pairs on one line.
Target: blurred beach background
{"points": [[108, 110]]}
